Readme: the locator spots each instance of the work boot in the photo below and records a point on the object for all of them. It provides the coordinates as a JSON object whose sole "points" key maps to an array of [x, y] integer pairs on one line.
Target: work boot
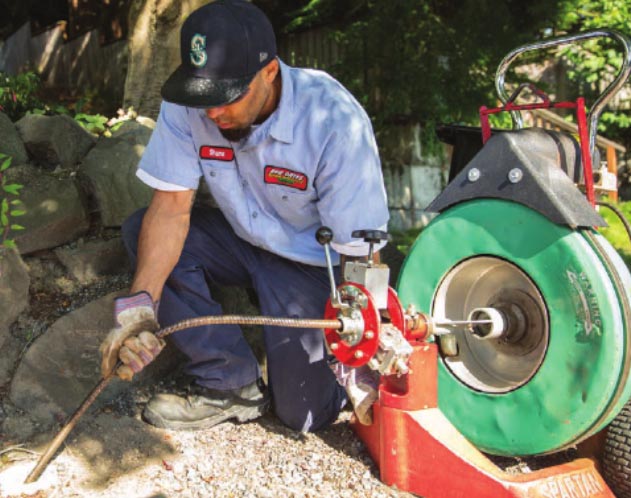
{"points": [[203, 408], [362, 388]]}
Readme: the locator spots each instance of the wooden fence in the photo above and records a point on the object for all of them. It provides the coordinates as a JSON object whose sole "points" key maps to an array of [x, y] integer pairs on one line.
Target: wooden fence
{"points": [[316, 48]]}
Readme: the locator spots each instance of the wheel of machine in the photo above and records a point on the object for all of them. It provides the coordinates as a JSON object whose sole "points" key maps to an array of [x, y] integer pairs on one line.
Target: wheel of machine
{"points": [[616, 460], [561, 370]]}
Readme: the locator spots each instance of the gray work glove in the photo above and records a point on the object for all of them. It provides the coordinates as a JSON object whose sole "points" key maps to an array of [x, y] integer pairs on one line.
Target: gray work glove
{"points": [[362, 388], [132, 339]]}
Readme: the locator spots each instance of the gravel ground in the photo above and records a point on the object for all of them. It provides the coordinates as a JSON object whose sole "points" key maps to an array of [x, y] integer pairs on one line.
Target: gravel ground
{"points": [[113, 454]]}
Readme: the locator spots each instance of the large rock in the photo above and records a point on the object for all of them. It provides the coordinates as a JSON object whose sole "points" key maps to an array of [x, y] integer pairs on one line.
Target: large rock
{"points": [[87, 261], [62, 365], [14, 284], [53, 140], [10, 142], [55, 211], [11, 348], [111, 170], [136, 131]]}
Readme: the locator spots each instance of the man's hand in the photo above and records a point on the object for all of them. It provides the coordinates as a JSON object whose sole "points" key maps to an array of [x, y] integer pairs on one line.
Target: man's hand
{"points": [[131, 340]]}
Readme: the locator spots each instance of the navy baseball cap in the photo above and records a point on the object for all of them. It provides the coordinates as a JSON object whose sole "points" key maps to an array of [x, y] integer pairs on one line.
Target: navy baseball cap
{"points": [[223, 45]]}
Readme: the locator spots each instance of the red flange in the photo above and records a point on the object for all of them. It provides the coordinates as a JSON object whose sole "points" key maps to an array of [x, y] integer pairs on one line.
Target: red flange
{"points": [[395, 310], [354, 355]]}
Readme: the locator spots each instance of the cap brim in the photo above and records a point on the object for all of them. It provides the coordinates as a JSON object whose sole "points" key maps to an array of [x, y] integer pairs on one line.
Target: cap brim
{"points": [[184, 89]]}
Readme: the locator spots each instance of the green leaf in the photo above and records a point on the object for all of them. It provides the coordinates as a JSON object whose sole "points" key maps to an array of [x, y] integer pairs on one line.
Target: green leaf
{"points": [[4, 220], [15, 226], [12, 188], [5, 164], [9, 244], [4, 208], [18, 212], [16, 202]]}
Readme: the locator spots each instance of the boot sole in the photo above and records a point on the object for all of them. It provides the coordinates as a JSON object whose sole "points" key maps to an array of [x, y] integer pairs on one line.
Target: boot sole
{"points": [[241, 414]]}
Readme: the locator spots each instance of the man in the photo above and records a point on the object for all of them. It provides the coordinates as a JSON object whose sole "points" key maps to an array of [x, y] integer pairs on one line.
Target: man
{"points": [[283, 152]]}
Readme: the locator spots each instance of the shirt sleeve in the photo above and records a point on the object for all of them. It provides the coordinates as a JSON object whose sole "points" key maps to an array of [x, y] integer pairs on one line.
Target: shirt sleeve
{"points": [[170, 156], [349, 182]]}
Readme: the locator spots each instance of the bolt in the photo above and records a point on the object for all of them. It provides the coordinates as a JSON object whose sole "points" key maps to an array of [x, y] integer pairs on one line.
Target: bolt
{"points": [[473, 175], [334, 346], [373, 364], [402, 367], [359, 354], [515, 175], [369, 334]]}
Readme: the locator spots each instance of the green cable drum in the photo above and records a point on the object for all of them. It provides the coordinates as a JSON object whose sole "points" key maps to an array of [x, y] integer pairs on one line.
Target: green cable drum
{"points": [[560, 372]]}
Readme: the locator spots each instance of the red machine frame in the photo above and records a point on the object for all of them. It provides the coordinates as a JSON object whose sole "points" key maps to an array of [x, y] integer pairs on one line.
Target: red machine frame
{"points": [[418, 450]]}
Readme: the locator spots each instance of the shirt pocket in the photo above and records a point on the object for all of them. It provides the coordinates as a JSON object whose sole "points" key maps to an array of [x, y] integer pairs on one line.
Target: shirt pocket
{"points": [[296, 207], [223, 182]]}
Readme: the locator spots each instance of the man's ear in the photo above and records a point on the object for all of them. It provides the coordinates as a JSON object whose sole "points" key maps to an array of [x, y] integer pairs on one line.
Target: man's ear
{"points": [[270, 71]]}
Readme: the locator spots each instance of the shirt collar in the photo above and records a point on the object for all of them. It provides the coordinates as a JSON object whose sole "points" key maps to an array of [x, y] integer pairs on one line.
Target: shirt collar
{"points": [[282, 126]]}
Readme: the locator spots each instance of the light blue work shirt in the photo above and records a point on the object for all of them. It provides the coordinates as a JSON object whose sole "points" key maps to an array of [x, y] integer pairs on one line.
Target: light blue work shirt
{"points": [[312, 162]]}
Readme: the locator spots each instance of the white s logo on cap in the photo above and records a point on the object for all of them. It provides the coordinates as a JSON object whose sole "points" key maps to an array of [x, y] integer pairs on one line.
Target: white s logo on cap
{"points": [[262, 56], [198, 50]]}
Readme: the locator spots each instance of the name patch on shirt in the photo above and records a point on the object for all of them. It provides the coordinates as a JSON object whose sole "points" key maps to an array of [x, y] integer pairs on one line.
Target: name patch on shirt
{"points": [[286, 177], [216, 153]]}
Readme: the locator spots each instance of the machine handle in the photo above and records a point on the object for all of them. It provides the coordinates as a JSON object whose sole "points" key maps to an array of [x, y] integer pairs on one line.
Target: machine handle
{"points": [[601, 101], [373, 236]]}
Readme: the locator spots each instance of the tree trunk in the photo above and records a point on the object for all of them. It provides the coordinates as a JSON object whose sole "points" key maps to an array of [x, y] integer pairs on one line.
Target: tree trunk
{"points": [[154, 49]]}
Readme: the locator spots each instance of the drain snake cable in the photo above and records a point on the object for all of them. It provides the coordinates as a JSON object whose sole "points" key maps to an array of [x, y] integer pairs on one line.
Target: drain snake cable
{"points": [[61, 436]]}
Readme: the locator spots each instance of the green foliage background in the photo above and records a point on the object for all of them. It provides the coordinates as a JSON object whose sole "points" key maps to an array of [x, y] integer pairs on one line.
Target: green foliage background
{"points": [[434, 61], [593, 62], [615, 233]]}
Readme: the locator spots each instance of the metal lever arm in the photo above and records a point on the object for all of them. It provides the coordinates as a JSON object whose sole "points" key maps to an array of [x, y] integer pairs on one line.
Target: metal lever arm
{"points": [[324, 236]]}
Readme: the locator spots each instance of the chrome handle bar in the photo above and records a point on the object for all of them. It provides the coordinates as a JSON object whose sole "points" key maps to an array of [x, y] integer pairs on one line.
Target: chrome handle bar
{"points": [[600, 102]]}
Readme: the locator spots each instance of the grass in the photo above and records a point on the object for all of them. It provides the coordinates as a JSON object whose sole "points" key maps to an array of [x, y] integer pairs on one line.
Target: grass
{"points": [[615, 233]]}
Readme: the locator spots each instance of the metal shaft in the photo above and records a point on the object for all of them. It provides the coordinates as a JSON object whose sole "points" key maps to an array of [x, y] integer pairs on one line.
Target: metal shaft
{"points": [[459, 323], [54, 445]]}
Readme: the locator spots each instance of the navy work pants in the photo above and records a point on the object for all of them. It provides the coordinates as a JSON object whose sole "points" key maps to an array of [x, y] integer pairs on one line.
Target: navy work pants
{"points": [[305, 394]]}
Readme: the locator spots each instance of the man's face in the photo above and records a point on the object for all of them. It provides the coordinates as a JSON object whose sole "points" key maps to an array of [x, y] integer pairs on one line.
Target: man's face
{"points": [[235, 120]]}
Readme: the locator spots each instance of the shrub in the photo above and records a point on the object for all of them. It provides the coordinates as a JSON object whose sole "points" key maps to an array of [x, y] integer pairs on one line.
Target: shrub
{"points": [[19, 94], [10, 204]]}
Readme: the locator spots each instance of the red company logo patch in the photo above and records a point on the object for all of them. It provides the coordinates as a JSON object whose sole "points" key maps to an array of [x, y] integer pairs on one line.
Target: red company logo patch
{"points": [[286, 177], [216, 153]]}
